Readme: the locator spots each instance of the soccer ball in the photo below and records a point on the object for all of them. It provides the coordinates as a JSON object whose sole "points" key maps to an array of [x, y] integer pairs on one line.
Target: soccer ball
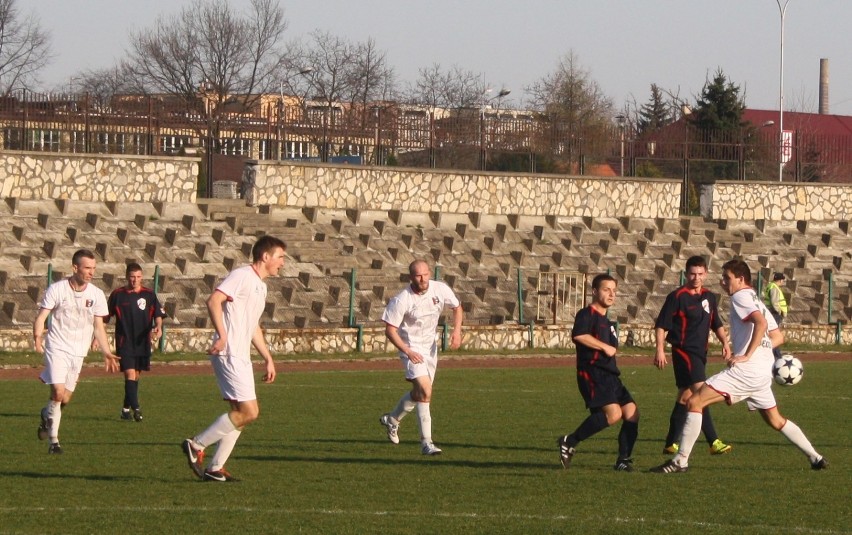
{"points": [[787, 370]]}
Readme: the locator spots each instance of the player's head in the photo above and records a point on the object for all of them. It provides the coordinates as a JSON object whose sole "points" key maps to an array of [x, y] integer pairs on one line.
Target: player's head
{"points": [[419, 272], [268, 255], [604, 288], [83, 266], [735, 276], [696, 272], [133, 273]]}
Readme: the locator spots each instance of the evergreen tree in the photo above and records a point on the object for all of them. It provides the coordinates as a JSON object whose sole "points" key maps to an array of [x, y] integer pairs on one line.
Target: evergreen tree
{"points": [[720, 106], [654, 114]]}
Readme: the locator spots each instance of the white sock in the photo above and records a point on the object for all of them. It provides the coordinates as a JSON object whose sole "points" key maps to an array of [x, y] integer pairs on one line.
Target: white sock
{"points": [[795, 435], [403, 407], [691, 431], [220, 427], [425, 417], [223, 451], [54, 412]]}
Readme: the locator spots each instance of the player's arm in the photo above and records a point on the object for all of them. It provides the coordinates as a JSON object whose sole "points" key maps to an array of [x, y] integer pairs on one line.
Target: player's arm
{"points": [[38, 328], [392, 332], [776, 336], [590, 341], [660, 360], [110, 360], [259, 342], [456, 336], [760, 325], [214, 308], [157, 330], [722, 335]]}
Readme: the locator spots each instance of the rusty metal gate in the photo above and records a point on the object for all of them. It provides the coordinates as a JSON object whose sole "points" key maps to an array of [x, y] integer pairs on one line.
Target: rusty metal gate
{"points": [[559, 296]]}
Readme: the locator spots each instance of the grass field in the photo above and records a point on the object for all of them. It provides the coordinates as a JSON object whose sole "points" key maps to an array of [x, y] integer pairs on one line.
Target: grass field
{"points": [[317, 461]]}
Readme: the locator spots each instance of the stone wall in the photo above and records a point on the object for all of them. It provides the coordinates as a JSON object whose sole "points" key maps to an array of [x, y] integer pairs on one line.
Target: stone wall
{"points": [[775, 201], [39, 175], [425, 190], [478, 337]]}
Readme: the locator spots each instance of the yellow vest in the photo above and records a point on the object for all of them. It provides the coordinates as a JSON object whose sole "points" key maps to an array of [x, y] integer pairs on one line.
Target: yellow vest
{"points": [[767, 298]]}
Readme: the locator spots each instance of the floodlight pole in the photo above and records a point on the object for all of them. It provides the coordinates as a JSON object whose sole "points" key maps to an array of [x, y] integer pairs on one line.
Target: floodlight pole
{"points": [[783, 11]]}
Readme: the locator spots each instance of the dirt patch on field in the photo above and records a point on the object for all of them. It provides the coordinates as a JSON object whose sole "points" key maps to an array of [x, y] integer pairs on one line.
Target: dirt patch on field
{"points": [[95, 369]]}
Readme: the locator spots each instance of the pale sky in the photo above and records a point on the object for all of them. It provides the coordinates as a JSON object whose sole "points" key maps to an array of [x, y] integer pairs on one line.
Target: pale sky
{"points": [[626, 45]]}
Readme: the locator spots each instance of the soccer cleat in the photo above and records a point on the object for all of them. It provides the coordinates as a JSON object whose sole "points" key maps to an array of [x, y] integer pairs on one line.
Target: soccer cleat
{"points": [[195, 457], [55, 448], [566, 452], [819, 464], [623, 465], [137, 415], [719, 448], [430, 449], [126, 414], [671, 449], [220, 475], [44, 426], [393, 429], [669, 467]]}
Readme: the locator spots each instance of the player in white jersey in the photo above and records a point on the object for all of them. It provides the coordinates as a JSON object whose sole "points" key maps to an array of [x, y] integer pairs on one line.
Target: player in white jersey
{"points": [[748, 376], [411, 319], [235, 308], [77, 310]]}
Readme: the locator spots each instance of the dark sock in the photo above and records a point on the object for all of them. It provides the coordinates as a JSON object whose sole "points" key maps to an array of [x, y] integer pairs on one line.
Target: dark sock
{"points": [[627, 439], [707, 427], [676, 422], [131, 394], [591, 425]]}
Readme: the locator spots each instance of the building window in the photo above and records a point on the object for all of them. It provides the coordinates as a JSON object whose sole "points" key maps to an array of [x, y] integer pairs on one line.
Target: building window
{"points": [[43, 140], [173, 144]]}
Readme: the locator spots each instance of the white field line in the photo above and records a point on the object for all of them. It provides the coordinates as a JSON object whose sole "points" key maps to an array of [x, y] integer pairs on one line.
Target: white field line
{"points": [[350, 512]]}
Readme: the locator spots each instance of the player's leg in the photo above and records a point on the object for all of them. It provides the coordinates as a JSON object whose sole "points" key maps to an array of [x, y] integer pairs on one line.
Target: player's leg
{"points": [[794, 434], [627, 436], [128, 366], [421, 393], [705, 397], [676, 421]]}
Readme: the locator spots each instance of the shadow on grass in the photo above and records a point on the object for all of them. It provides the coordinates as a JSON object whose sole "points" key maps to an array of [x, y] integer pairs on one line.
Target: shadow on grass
{"points": [[41, 475], [415, 460]]}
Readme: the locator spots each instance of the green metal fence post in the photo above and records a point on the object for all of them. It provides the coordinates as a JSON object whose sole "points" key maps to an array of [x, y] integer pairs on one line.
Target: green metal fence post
{"points": [[830, 294], [520, 297]]}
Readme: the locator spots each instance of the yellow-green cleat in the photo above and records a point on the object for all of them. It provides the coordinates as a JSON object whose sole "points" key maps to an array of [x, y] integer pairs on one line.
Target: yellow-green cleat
{"points": [[719, 448], [671, 449]]}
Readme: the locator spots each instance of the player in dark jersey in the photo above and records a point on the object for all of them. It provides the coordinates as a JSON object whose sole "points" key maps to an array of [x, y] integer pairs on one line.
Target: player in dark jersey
{"points": [[138, 322], [598, 378], [685, 321]]}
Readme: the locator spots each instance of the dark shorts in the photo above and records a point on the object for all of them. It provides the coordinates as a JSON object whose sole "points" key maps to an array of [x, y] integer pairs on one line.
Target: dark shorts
{"points": [[600, 388], [142, 364], [688, 368]]}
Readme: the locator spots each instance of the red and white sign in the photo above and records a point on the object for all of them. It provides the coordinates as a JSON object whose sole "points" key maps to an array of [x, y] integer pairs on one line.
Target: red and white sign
{"points": [[786, 146]]}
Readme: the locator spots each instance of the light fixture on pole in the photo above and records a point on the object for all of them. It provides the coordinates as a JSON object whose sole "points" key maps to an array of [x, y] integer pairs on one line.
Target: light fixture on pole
{"points": [[781, 144], [622, 120], [483, 153]]}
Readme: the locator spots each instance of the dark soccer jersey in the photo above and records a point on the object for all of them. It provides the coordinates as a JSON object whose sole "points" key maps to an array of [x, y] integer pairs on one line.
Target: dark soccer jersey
{"points": [[134, 314], [688, 318], [589, 321]]}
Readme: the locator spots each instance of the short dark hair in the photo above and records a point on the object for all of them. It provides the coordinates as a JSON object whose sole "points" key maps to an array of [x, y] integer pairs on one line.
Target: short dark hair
{"points": [[596, 282], [738, 268], [696, 261], [80, 254], [132, 267], [266, 244], [779, 277]]}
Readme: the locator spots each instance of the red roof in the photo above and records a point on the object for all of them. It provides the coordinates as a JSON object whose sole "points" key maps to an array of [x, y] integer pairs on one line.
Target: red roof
{"points": [[812, 123]]}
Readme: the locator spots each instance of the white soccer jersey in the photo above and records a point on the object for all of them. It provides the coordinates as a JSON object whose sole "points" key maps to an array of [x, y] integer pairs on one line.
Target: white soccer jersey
{"points": [[744, 303], [246, 293], [72, 317], [416, 316]]}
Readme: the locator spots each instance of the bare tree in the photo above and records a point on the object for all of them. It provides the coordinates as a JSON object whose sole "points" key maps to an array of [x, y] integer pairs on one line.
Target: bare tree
{"points": [[102, 85], [455, 88], [577, 108], [230, 57], [24, 47]]}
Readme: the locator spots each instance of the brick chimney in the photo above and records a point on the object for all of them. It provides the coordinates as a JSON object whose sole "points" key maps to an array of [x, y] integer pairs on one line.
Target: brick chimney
{"points": [[823, 86]]}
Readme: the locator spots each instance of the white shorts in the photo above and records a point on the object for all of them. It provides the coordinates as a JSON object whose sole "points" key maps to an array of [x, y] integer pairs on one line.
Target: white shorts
{"points": [[742, 382], [235, 378], [427, 368], [61, 368]]}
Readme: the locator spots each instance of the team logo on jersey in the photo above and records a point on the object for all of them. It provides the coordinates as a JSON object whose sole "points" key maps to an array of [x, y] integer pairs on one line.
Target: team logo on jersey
{"points": [[705, 305], [435, 300], [141, 303], [612, 330], [90, 303]]}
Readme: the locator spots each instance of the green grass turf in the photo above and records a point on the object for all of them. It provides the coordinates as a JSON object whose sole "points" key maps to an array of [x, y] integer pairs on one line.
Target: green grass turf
{"points": [[317, 461]]}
